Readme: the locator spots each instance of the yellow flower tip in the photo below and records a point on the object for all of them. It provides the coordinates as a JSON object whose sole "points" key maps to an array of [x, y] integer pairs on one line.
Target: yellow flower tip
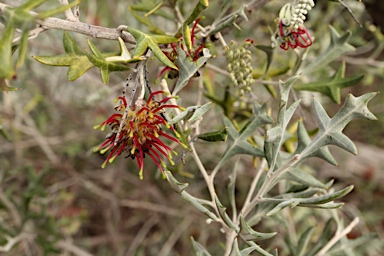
{"points": [[131, 134], [116, 100], [175, 153], [102, 127], [182, 109], [133, 151], [141, 177], [167, 125], [156, 134], [183, 145], [163, 164], [112, 159], [171, 162], [102, 151], [167, 93], [96, 149], [104, 164], [177, 134], [96, 127]]}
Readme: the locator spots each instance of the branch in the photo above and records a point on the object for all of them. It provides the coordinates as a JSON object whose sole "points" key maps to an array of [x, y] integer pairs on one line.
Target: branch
{"points": [[256, 4], [79, 27]]}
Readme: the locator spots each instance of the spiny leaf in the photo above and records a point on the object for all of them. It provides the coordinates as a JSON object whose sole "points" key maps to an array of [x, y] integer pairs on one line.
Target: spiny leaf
{"points": [[324, 201], [238, 141], [75, 59], [191, 113], [337, 47], [214, 136], [125, 55], [224, 216], [145, 41], [275, 136], [105, 66], [177, 186], [188, 68], [302, 177], [331, 87], [331, 130], [304, 140], [248, 234]]}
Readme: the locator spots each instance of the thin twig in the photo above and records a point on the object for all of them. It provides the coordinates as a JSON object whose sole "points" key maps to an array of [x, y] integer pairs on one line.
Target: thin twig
{"points": [[70, 247], [350, 12], [150, 207], [11, 208], [338, 236], [168, 245], [68, 13], [79, 27], [137, 241], [11, 241]]}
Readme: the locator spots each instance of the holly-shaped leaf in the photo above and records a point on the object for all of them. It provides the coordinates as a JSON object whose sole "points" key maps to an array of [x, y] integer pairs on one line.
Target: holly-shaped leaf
{"points": [[145, 41], [331, 129], [105, 66], [324, 201], [79, 62], [275, 136], [331, 87], [188, 68], [238, 140], [74, 58]]}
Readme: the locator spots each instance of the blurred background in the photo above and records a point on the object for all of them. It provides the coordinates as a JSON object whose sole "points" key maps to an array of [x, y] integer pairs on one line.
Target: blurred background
{"points": [[52, 182]]}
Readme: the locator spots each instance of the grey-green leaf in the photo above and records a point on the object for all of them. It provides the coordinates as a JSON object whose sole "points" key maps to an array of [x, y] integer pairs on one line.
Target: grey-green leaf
{"points": [[188, 68]]}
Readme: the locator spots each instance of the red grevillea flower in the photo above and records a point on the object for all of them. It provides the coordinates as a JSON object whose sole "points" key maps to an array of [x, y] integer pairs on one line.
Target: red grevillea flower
{"points": [[138, 131], [193, 54], [293, 37]]}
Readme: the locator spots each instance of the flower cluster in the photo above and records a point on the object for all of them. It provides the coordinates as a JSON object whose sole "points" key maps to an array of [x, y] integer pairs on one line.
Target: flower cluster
{"points": [[138, 131], [239, 65], [290, 30], [194, 52]]}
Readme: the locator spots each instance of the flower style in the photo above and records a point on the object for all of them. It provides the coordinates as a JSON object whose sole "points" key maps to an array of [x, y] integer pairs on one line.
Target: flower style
{"points": [[290, 31], [194, 52], [138, 131]]}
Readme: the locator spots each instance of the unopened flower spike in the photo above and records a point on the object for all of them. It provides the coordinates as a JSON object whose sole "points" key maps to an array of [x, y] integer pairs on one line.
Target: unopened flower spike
{"points": [[141, 132], [290, 30]]}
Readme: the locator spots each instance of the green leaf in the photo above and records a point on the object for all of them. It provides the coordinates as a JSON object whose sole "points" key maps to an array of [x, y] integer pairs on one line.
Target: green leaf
{"points": [[303, 242], [75, 59], [302, 177], [214, 136], [145, 41], [125, 55], [317, 202], [188, 68], [331, 87], [177, 186], [6, 69], [238, 141], [248, 234], [303, 140], [199, 249], [146, 21], [4, 87], [57, 10], [224, 216], [105, 67], [337, 47], [331, 130], [275, 136], [191, 113]]}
